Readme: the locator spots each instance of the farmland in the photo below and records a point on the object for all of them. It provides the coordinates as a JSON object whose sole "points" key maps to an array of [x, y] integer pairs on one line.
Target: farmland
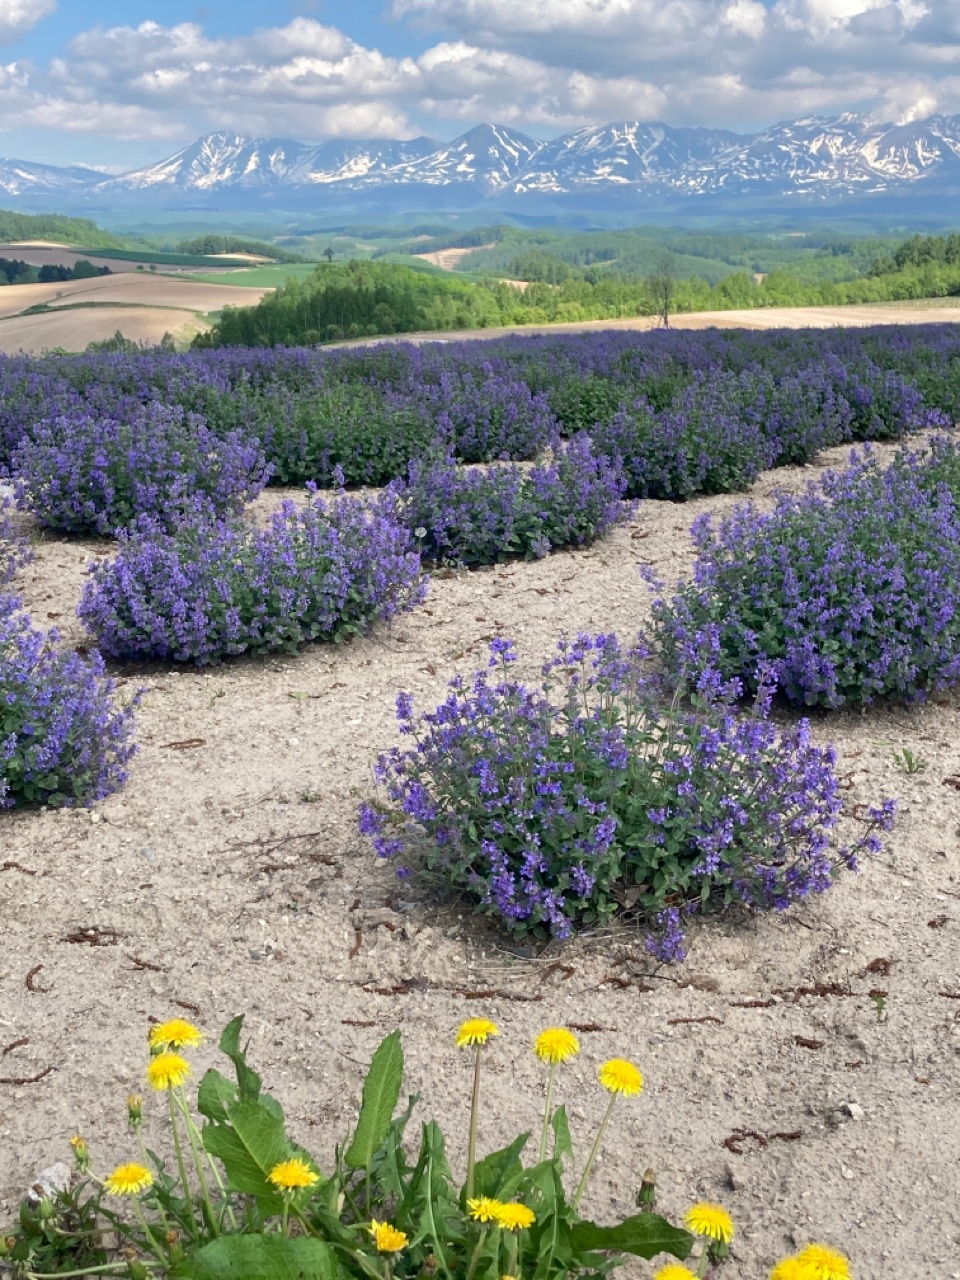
{"points": [[797, 1053]]}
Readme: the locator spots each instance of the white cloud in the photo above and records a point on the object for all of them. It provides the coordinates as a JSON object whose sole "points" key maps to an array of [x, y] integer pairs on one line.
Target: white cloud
{"points": [[541, 64], [17, 17]]}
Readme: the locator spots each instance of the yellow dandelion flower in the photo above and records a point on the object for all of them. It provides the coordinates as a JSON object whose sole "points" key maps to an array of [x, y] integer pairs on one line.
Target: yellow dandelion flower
{"points": [[387, 1238], [484, 1209], [167, 1071], [293, 1175], [675, 1271], [514, 1217], [556, 1044], [705, 1219], [175, 1034], [476, 1031], [790, 1269], [79, 1144], [620, 1076], [824, 1263], [128, 1180], [508, 1278]]}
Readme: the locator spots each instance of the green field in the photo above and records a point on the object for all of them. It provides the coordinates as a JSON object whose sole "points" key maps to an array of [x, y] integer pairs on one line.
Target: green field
{"points": [[258, 277]]}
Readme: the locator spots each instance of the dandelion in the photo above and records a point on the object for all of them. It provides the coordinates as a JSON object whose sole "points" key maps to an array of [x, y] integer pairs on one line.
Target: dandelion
{"points": [[711, 1220], [483, 1209], [790, 1269], [387, 1238], [128, 1180], [293, 1175], [175, 1034], [620, 1076], [514, 1217], [476, 1031], [81, 1152], [823, 1263], [134, 1110], [167, 1071], [617, 1076], [556, 1045], [675, 1271]]}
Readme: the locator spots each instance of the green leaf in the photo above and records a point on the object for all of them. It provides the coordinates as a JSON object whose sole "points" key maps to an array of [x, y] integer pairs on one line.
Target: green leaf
{"points": [[381, 1090], [495, 1175], [562, 1142], [645, 1235], [250, 1145], [261, 1257], [215, 1094], [247, 1078]]}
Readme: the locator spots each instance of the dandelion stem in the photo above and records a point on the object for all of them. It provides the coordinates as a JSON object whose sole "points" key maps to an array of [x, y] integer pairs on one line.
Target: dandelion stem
{"points": [[474, 1116], [475, 1257], [138, 1208], [285, 1222], [548, 1110], [197, 1137], [178, 1149], [595, 1151], [192, 1139]]}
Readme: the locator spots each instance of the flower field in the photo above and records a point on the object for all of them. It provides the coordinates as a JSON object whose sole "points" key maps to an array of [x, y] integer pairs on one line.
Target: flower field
{"points": [[255, 635]]}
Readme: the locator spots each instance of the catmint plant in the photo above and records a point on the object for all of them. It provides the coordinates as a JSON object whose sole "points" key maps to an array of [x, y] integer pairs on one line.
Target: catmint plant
{"points": [[544, 804], [325, 571], [85, 474], [64, 737], [846, 593]]}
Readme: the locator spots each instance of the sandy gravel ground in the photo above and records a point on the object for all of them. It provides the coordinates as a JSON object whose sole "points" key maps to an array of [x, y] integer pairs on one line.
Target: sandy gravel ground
{"points": [[228, 877]]}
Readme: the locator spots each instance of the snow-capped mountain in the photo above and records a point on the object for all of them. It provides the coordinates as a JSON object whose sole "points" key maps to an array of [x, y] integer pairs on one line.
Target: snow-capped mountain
{"points": [[623, 166], [222, 161], [625, 154], [24, 178]]}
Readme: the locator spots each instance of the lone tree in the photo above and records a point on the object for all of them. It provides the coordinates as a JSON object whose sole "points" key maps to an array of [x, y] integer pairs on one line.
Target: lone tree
{"points": [[662, 286], [328, 253]]}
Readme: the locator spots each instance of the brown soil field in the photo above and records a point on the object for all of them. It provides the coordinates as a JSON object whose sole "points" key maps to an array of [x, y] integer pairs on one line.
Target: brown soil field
{"points": [[925, 311], [41, 254], [73, 328], [448, 258], [142, 306], [228, 877]]}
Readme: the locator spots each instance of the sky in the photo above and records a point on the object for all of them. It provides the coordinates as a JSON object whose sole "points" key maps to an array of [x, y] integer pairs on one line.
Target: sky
{"points": [[117, 83]]}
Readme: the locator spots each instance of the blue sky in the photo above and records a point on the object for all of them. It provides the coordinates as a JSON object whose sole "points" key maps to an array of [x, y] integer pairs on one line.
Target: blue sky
{"points": [[122, 82]]}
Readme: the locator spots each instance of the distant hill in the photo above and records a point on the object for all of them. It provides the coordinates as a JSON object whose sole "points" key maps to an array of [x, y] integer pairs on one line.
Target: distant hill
{"points": [[56, 227], [625, 169]]}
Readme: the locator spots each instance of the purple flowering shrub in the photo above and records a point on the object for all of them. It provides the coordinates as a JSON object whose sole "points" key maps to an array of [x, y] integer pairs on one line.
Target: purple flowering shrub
{"points": [[215, 588], [63, 738], [14, 551], [547, 805], [371, 436], [846, 593], [85, 474], [483, 516], [706, 443]]}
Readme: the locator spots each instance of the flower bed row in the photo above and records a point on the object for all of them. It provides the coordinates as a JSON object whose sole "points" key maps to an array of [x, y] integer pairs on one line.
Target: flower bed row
{"points": [[846, 593], [99, 441]]}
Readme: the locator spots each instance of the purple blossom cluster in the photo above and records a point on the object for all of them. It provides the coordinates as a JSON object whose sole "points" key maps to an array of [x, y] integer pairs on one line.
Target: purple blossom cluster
{"points": [[846, 593], [14, 551], [480, 516], [63, 738], [85, 474], [546, 804], [213, 588]]}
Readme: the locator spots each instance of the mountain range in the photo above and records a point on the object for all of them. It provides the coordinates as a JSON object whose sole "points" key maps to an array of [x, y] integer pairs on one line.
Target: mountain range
{"points": [[635, 166]]}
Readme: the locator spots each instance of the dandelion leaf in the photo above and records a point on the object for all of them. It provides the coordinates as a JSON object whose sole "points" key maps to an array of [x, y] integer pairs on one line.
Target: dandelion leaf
{"points": [[381, 1092], [261, 1257], [644, 1235]]}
